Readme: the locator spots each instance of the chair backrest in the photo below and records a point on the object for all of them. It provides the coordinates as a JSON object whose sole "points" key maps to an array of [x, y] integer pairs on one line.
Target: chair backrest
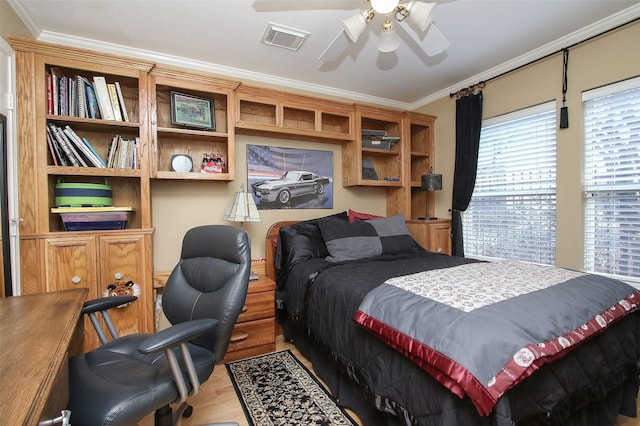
{"points": [[210, 281]]}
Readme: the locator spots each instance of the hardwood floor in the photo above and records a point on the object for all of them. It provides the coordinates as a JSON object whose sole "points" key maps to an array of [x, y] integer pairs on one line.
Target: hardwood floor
{"points": [[217, 400]]}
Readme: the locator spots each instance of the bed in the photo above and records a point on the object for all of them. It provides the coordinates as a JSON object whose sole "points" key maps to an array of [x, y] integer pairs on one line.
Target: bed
{"points": [[461, 350]]}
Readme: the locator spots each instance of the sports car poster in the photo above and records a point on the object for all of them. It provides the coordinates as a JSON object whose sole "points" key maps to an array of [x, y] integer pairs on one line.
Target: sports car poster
{"points": [[290, 178]]}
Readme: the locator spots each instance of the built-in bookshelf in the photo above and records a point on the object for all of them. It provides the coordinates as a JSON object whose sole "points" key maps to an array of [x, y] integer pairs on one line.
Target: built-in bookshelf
{"points": [[169, 138]]}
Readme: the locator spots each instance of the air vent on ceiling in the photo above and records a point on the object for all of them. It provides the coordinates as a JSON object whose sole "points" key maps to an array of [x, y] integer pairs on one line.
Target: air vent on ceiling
{"points": [[281, 36]]}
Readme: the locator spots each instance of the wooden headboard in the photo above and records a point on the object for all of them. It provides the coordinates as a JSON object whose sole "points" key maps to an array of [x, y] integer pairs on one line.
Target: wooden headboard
{"points": [[270, 247]]}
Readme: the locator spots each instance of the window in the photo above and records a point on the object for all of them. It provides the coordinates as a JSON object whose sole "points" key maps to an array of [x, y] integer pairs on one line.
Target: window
{"points": [[612, 179], [512, 213]]}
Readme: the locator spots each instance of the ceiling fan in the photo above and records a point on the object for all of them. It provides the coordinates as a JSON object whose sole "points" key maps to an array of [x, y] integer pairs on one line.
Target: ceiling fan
{"points": [[418, 13]]}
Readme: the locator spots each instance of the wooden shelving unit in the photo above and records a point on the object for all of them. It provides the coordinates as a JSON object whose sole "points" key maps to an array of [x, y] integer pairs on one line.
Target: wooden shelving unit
{"points": [[291, 116], [54, 259], [168, 139]]}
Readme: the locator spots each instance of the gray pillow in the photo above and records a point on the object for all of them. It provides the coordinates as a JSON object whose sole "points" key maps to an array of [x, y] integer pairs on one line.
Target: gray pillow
{"points": [[365, 238], [349, 240]]}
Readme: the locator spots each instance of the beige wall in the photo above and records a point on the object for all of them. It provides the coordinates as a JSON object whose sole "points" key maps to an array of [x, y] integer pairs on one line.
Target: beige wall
{"points": [[10, 24], [178, 206], [595, 63]]}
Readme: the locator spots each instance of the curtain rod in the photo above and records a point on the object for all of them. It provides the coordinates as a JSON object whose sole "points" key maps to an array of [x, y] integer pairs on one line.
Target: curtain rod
{"points": [[480, 85]]}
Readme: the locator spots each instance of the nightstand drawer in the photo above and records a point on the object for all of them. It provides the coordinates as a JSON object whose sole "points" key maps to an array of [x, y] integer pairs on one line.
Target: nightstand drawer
{"points": [[258, 306], [254, 333]]}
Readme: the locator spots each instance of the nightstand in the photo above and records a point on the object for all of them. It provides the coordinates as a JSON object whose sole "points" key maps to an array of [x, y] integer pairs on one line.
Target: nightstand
{"points": [[434, 235], [255, 331]]}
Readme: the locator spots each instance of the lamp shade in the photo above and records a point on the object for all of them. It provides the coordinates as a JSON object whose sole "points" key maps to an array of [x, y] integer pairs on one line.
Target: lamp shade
{"points": [[242, 208], [389, 41], [431, 182], [421, 13], [355, 25]]}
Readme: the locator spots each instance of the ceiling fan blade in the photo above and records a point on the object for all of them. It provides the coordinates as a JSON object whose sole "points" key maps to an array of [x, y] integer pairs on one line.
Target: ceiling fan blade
{"points": [[434, 41], [337, 46]]}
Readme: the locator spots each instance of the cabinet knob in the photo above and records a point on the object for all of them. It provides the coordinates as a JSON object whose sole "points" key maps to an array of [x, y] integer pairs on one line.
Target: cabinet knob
{"points": [[118, 275], [439, 250], [76, 279]]}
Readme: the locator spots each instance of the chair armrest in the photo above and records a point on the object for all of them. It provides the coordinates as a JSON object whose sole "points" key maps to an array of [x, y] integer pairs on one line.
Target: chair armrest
{"points": [[177, 334], [105, 303]]}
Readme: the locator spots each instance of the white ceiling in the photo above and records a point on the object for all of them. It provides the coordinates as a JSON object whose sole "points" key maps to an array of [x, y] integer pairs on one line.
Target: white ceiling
{"points": [[488, 37]]}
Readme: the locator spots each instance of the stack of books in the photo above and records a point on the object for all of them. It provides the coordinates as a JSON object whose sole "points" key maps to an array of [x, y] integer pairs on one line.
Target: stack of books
{"points": [[77, 96], [69, 149]]}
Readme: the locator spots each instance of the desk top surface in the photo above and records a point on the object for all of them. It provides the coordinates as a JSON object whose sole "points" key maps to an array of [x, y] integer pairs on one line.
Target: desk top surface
{"points": [[35, 333]]}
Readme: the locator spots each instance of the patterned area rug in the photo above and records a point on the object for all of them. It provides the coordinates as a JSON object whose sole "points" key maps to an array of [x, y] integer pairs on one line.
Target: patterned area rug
{"points": [[277, 389]]}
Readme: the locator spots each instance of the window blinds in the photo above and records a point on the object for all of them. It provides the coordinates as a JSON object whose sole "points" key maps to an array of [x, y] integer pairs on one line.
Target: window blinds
{"points": [[611, 179], [512, 212]]}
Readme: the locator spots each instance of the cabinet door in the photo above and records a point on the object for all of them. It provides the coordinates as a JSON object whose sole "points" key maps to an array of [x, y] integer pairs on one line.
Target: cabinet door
{"points": [[71, 263], [123, 259], [440, 238]]}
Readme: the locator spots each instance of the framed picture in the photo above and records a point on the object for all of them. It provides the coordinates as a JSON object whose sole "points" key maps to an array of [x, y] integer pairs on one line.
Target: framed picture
{"points": [[192, 111]]}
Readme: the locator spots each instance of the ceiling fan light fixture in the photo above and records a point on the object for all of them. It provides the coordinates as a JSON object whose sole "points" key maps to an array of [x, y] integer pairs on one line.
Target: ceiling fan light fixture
{"points": [[389, 41], [355, 25], [384, 7], [420, 13]]}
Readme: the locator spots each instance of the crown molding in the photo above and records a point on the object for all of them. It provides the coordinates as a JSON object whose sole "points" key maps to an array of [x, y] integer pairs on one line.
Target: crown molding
{"points": [[614, 21], [626, 16]]}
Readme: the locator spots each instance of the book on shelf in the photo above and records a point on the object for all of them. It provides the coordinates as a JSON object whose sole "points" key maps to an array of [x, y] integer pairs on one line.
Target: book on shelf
{"points": [[102, 94], [83, 148], [115, 104], [63, 95], [100, 160], [81, 98], [60, 157], [123, 106], [54, 155], [49, 83], [56, 75], [93, 110], [72, 148], [124, 153], [62, 143]]}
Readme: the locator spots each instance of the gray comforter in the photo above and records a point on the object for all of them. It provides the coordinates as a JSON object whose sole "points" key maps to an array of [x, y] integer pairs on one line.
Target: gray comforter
{"points": [[481, 328]]}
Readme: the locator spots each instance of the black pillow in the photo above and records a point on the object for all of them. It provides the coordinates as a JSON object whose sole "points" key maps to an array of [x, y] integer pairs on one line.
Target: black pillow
{"points": [[302, 241]]}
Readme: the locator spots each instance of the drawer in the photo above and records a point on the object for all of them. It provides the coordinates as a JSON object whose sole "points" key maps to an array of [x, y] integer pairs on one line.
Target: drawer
{"points": [[253, 333], [258, 306]]}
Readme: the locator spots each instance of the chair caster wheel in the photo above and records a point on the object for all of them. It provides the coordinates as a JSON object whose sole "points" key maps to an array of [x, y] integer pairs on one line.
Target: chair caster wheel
{"points": [[187, 411]]}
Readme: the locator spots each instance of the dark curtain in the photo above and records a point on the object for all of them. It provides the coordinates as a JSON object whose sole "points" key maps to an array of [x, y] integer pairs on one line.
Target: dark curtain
{"points": [[468, 124]]}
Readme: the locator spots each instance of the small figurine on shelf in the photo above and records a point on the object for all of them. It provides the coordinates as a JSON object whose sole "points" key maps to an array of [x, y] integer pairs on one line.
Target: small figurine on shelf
{"points": [[213, 163]]}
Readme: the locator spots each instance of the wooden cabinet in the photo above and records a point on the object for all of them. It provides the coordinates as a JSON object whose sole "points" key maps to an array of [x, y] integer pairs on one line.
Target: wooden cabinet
{"points": [[169, 138], [96, 261], [255, 330], [292, 116], [433, 235]]}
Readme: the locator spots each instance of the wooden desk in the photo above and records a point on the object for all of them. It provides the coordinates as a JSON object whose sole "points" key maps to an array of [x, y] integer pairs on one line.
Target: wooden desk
{"points": [[37, 333]]}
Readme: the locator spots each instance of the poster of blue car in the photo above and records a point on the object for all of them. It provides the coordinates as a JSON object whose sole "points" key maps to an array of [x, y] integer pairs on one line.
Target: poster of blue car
{"points": [[290, 178]]}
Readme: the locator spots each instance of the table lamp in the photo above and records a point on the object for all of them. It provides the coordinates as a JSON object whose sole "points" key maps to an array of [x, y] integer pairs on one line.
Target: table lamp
{"points": [[430, 182]]}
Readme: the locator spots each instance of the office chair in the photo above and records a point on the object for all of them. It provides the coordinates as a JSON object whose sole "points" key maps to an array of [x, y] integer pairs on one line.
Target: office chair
{"points": [[129, 377]]}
